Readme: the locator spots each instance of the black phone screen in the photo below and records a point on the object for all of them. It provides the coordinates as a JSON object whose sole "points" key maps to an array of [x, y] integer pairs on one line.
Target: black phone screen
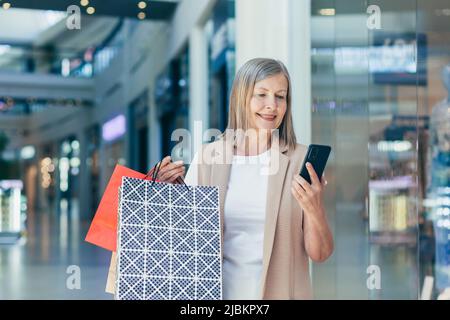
{"points": [[317, 155]]}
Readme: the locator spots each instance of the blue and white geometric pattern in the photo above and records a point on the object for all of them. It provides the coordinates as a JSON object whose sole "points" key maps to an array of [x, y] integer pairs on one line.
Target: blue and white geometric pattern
{"points": [[169, 242]]}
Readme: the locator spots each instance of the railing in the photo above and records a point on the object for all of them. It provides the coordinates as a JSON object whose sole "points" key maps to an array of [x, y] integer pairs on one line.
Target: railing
{"points": [[109, 48], [64, 62], [45, 60]]}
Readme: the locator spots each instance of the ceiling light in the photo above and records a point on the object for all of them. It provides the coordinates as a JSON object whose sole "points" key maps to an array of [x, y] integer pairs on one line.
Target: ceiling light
{"points": [[90, 10], [27, 152], [327, 12], [6, 5], [84, 3], [141, 15], [142, 5]]}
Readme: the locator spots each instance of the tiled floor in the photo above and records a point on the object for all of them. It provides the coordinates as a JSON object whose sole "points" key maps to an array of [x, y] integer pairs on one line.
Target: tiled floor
{"points": [[36, 268]]}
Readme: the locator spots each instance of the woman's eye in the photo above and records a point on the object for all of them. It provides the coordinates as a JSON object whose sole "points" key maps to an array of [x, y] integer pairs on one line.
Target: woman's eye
{"points": [[280, 97], [261, 94]]}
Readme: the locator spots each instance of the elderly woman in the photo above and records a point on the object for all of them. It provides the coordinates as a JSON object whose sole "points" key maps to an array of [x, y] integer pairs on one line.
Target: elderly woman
{"points": [[273, 220]]}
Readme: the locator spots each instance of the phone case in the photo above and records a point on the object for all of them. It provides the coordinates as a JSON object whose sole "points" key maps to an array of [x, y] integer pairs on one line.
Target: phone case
{"points": [[317, 155]]}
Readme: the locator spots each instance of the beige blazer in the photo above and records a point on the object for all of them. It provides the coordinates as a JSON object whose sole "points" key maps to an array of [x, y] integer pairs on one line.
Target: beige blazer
{"points": [[285, 269]]}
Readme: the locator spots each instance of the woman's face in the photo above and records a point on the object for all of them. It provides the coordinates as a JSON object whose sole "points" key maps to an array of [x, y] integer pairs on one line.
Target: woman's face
{"points": [[269, 102]]}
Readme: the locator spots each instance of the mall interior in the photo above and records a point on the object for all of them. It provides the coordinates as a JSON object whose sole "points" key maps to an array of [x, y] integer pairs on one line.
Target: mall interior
{"points": [[86, 85]]}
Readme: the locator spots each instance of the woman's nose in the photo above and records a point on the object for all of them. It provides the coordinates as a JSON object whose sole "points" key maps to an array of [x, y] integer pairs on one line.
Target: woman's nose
{"points": [[271, 103]]}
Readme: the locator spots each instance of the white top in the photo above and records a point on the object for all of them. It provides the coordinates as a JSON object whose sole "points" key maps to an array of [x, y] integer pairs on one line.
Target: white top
{"points": [[244, 214]]}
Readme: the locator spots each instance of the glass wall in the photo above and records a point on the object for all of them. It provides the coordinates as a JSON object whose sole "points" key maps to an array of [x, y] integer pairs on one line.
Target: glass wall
{"points": [[376, 75], [93, 166], [172, 99], [138, 128], [220, 30], [433, 104], [68, 173]]}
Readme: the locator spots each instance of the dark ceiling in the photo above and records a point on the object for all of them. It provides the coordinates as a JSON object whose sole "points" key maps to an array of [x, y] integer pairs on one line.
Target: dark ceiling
{"points": [[155, 10]]}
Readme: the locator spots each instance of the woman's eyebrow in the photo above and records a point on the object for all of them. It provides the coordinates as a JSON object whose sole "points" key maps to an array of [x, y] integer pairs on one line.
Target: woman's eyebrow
{"points": [[262, 88]]}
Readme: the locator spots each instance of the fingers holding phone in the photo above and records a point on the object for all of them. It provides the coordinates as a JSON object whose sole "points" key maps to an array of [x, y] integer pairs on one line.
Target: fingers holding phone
{"points": [[309, 194], [316, 158], [315, 178], [315, 183], [307, 188]]}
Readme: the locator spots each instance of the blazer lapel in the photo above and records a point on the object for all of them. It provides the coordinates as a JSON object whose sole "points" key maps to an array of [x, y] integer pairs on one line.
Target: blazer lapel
{"points": [[274, 191], [220, 175]]}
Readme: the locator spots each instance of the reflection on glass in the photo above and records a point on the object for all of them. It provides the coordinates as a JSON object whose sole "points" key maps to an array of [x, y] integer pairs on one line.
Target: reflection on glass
{"points": [[364, 90], [63, 227], [439, 189]]}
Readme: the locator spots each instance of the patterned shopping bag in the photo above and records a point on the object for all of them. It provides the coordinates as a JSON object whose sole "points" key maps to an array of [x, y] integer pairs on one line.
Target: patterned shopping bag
{"points": [[169, 243]]}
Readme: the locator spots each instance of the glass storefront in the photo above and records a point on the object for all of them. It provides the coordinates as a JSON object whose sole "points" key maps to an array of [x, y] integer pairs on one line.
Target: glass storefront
{"points": [[93, 166], [113, 145], [48, 175], [12, 211], [220, 29], [114, 153], [138, 111], [172, 100], [376, 88], [68, 172]]}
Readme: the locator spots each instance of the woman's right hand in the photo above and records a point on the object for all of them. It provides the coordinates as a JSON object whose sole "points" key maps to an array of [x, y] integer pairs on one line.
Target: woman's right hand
{"points": [[170, 171]]}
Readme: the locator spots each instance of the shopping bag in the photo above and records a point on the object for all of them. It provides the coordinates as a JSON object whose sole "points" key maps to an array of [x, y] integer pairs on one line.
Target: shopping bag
{"points": [[103, 229], [112, 275], [169, 242]]}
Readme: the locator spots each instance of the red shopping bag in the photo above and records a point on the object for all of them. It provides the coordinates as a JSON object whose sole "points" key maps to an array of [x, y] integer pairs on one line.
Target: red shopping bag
{"points": [[103, 229]]}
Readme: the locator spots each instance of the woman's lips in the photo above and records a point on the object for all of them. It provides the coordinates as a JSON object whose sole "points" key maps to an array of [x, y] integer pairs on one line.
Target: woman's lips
{"points": [[267, 117]]}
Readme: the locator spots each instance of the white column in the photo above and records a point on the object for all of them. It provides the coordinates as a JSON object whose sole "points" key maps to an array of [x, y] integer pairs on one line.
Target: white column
{"points": [[280, 30], [299, 64], [198, 82], [262, 28]]}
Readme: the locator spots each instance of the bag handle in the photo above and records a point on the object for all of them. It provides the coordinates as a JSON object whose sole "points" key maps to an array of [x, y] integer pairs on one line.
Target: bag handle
{"points": [[154, 172]]}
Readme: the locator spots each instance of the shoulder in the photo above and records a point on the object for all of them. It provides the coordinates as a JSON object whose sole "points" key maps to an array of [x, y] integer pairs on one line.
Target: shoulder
{"points": [[214, 152], [209, 148], [298, 152], [203, 147], [301, 147]]}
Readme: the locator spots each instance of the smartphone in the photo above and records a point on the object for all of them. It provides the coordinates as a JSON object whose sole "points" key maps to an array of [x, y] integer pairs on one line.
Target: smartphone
{"points": [[317, 155]]}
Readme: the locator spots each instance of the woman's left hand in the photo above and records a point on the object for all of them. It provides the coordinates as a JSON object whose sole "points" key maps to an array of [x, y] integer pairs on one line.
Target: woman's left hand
{"points": [[309, 196], [318, 239]]}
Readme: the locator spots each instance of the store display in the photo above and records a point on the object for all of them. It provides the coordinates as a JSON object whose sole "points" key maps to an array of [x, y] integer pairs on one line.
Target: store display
{"points": [[392, 217], [439, 189], [393, 188], [10, 210], [169, 245]]}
